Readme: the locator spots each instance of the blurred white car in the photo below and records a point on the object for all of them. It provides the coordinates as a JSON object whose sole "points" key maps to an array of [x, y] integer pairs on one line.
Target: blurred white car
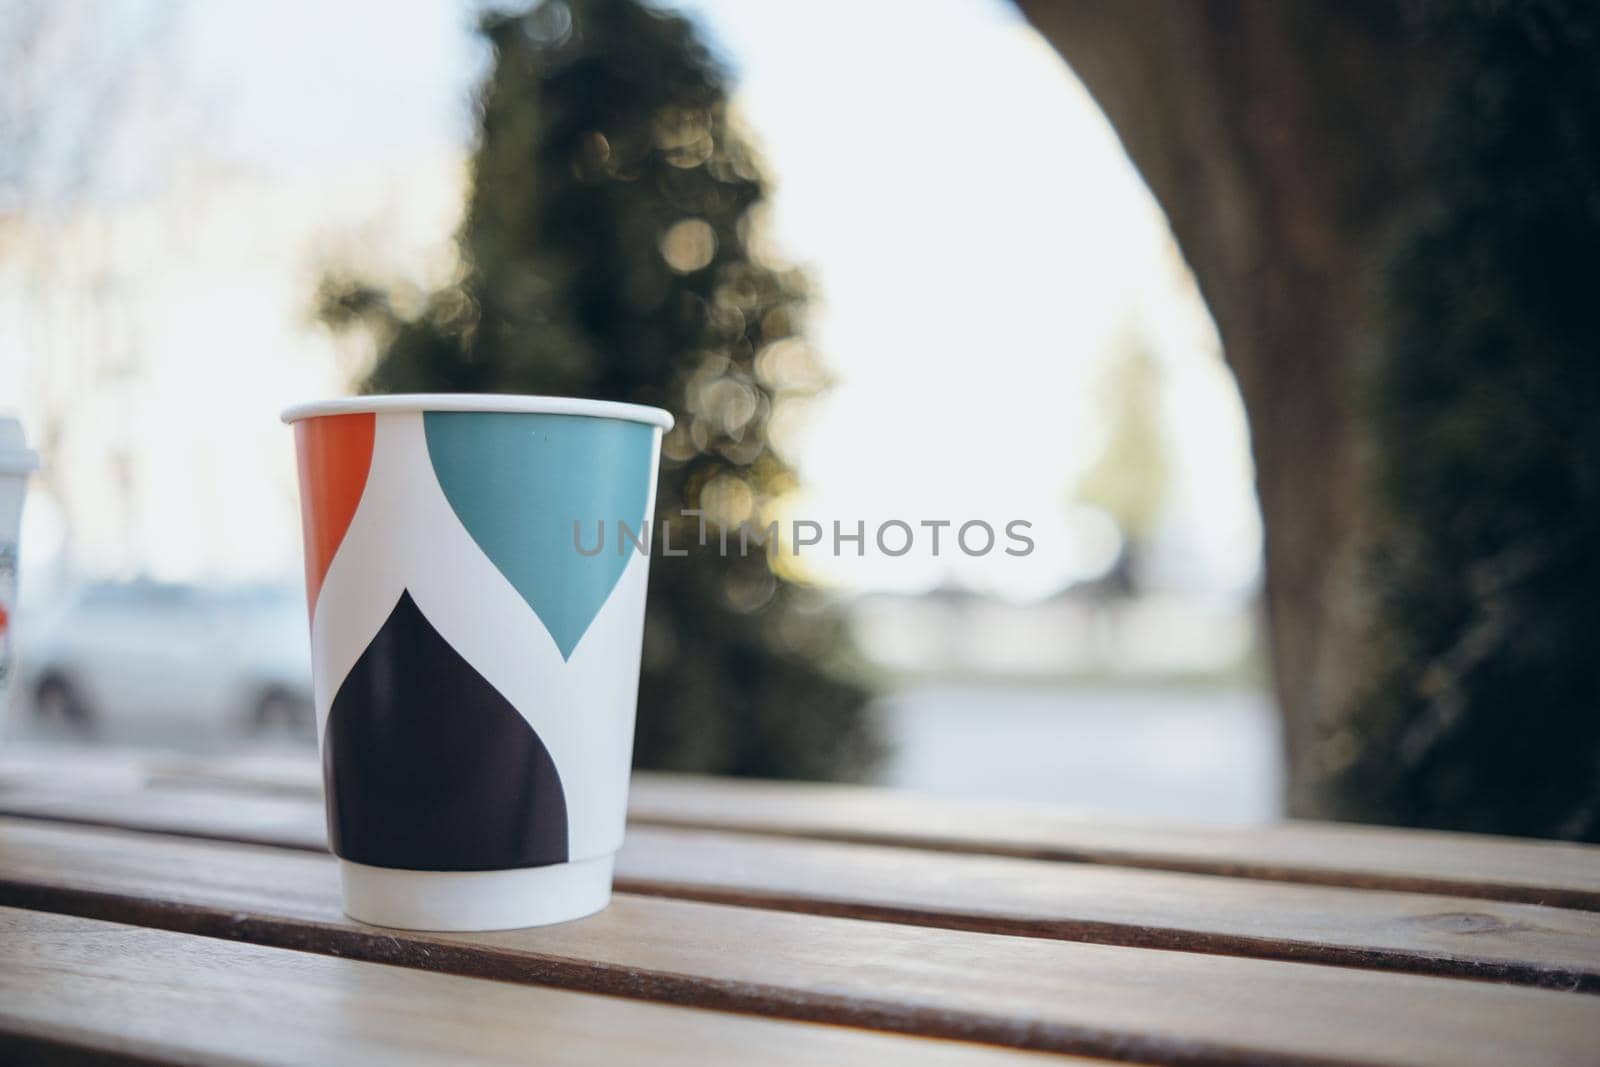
{"points": [[121, 658]]}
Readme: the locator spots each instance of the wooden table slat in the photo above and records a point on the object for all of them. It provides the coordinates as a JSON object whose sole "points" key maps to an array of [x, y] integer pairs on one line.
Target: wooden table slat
{"points": [[1144, 1005], [1447, 864], [70, 984], [1527, 944]]}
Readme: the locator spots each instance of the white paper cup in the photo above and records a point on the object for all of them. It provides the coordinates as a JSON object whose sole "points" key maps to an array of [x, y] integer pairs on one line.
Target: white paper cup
{"points": [[475, 660], [16, 463]]}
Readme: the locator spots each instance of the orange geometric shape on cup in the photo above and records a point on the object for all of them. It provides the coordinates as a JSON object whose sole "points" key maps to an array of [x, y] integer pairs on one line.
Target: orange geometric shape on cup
{"points": [[335, 454]]}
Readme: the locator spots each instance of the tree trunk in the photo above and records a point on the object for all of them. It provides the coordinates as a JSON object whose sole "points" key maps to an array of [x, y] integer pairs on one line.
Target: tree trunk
{"points": [[1277, 136]]}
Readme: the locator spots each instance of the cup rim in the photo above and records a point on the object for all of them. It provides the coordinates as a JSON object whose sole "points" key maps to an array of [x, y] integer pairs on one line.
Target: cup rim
{"points": [[507, 403]]}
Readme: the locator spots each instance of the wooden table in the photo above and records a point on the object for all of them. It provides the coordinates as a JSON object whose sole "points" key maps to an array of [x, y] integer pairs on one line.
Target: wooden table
{"points": [[182, 911]]}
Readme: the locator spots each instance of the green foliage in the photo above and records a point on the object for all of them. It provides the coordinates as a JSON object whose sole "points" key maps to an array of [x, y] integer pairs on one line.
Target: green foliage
{"points": [[610, 251], [1486, 715], [1129, 478]]}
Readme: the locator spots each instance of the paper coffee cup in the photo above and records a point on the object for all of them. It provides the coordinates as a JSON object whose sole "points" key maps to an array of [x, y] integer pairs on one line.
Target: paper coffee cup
{"points": [[16, 463], [475, 662]]}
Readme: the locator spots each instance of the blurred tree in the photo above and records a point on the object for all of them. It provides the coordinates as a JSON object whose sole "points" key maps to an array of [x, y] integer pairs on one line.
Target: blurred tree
{"points": [[79, 88], [1486, 709], [1441, 538], [1275, 137], [612, 249], [1129, 477]]}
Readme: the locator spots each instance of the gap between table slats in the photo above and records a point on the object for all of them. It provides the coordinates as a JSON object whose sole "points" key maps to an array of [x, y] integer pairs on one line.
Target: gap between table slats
{"points": [[1326, 854], [1523, 944], [1123, 1003], [76, 990], [1309, 853]]}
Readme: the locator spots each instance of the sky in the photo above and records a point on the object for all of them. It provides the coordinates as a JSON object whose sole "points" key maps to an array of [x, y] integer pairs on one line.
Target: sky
{"points": [[973, 304], [977, 303]]}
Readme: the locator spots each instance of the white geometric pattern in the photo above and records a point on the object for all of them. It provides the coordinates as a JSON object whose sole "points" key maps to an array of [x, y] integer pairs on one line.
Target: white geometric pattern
{"points": [[405, 536]]}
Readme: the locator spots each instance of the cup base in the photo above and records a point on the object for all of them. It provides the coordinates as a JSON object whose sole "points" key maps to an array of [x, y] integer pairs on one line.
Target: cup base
{"points": [[475, 900]]}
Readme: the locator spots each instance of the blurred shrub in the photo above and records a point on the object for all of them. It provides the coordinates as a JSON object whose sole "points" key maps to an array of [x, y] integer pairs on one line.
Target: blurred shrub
{"points": [[1486, 404], [611, 249]]}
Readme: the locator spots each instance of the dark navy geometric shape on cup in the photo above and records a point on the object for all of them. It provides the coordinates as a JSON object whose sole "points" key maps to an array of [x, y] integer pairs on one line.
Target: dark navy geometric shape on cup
{"points": [[429, 768]]}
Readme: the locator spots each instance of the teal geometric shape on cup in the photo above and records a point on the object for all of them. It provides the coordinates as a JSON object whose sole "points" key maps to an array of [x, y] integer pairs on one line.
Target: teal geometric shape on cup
{"points": [[518, 482]]}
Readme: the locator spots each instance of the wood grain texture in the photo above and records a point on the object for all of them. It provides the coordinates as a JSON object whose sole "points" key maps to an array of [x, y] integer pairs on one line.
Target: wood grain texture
{"points": [[1462, 865], [72, 988], [1417, 933], [1144, 1005]]}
